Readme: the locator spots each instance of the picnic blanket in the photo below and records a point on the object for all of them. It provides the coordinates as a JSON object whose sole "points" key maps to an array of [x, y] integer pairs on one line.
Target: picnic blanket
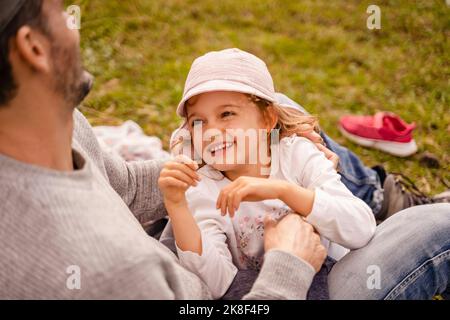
{"points": [[130, 142]]}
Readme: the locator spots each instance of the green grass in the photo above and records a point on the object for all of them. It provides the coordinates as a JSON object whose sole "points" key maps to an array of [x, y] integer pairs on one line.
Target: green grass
{"points": [[320, 53]]}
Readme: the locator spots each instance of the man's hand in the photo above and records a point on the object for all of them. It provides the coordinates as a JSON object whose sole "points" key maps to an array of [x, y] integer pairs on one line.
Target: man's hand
{"points": [[295, 236], [318, 141], [330, 155]]}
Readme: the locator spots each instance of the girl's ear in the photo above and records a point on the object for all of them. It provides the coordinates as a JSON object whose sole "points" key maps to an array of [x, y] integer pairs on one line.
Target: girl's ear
{"points": [[271, 118]]}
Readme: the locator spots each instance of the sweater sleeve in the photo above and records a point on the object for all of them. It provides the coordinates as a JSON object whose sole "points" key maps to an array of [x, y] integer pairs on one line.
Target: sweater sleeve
{"points": [[135, 182], [336, 214], [214, 266], [282, 277], [153, 277]]}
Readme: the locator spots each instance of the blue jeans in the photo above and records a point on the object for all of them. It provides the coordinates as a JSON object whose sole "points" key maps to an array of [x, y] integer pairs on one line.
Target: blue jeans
{"points": [[410, 253], [362, 181]]}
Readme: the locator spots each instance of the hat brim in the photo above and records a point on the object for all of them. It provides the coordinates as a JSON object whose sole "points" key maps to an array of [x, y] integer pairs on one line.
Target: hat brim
{"points": [[220, 85]]}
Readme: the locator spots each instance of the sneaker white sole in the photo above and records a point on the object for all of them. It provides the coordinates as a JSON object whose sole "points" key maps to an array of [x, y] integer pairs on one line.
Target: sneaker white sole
{"points": [[399, 149]]}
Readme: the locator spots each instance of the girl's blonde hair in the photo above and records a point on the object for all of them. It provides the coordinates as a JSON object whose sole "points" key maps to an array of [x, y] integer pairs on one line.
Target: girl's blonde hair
{"points": [[290, 121]]}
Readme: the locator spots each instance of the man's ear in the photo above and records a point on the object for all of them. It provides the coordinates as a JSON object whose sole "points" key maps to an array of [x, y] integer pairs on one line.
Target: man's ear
{"points": [[31, 48]]}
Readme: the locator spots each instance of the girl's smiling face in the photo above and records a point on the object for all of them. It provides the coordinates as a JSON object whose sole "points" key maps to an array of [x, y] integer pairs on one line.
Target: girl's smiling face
{"points": [[221, 115]]}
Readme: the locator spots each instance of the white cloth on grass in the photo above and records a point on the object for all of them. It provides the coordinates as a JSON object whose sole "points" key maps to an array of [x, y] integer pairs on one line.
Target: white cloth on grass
{"points": [[130, 142]]}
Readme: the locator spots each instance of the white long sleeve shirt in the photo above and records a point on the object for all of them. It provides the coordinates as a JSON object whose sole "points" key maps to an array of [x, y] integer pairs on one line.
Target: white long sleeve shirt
{"points": [[343, 220]]}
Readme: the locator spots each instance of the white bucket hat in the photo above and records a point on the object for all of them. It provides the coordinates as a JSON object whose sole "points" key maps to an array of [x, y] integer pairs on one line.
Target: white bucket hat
{"points": [[228, 70]]}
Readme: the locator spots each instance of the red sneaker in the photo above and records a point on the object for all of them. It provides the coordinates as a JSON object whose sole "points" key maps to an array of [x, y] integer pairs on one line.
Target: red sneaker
{"points": [[384, 131]]}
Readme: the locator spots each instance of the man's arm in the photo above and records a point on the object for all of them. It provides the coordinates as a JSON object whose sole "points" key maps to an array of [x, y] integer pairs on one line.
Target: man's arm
{"points": [[135, 182], [154, 277], [282, 277], [294, 254]]}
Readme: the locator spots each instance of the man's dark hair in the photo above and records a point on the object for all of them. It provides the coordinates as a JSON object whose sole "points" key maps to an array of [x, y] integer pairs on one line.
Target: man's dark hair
{"points": [[30, 14]]}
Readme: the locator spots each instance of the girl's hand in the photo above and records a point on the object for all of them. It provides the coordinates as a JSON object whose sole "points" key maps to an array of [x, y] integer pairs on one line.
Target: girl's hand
{"points": [[175, 178], [247, 189]]}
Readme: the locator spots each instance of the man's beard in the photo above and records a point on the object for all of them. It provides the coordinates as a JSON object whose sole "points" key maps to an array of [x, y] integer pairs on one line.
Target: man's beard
{"points": [[71, 80]]}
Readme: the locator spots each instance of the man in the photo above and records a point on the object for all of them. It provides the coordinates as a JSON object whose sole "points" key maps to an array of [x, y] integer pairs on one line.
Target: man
{"points": [[66, 205], [71, 215]]}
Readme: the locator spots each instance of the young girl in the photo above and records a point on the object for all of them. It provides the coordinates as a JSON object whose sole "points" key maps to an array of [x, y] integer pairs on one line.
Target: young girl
{"points": [[217, 211]]}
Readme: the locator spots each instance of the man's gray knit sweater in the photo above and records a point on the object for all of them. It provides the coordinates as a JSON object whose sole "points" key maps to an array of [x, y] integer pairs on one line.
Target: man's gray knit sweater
{"points": [[60, 227]]}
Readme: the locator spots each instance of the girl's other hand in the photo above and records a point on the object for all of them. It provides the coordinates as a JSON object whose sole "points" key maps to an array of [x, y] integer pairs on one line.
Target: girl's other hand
{"points": [[176, 177], [247, 189]]}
